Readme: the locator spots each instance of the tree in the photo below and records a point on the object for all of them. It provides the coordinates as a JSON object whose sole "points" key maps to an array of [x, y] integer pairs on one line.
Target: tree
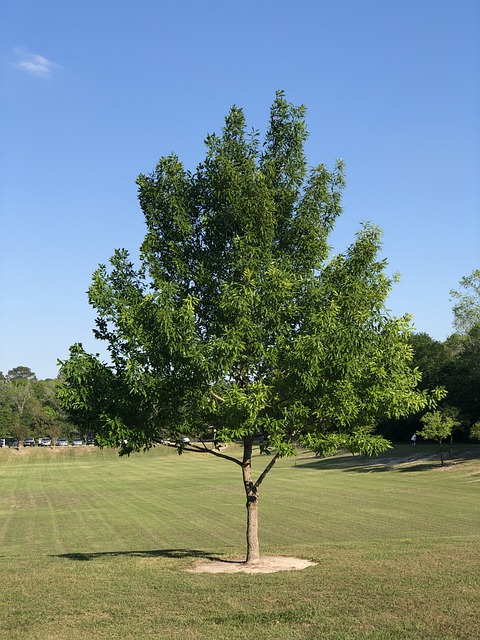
{"points": [[18, 393], [475, 431], [21, 373], [461, 375], [466, 310], [438, 425], [50, 414], [237, 321], [431, 357], [6, 412], [29, 406], [435, 360]]}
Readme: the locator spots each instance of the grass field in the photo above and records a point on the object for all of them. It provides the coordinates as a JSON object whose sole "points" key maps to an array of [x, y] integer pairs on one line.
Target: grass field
{"points": [[93, 546]]}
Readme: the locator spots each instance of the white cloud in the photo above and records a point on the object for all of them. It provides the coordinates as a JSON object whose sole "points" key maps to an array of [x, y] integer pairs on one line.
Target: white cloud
{"points": [[34, 63]]}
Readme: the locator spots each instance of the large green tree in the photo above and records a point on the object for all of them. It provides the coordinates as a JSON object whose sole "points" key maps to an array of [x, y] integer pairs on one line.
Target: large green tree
{"points": [[237, 322]]}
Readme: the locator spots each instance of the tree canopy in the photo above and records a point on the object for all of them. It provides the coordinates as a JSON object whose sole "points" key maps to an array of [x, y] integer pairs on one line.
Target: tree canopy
{"points": [[30, 407], [237, 323], [466, 310], [20, 373]]}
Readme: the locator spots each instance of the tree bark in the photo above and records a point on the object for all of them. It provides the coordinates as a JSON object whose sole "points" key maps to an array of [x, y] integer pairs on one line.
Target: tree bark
{"points": [[251, 492]]}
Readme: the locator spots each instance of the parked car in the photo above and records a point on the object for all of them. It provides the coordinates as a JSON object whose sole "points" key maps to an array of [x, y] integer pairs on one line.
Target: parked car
{"points": [[90, 440], [61, 442], [13, 444], [29, 442], [185, 440], [45, 442], [3, 442], [77, 442]]}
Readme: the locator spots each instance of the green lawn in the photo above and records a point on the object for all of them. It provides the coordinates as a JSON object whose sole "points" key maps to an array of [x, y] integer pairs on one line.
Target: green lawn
{"points": [[93, 546]]}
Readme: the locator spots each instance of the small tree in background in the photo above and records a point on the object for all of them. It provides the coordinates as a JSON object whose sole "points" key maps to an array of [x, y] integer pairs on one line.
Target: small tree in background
{"points": [[475, 431], [238, 321], [439, 425]]}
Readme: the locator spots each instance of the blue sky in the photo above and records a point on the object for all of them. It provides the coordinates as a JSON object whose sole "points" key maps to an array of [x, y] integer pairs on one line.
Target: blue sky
{"points": [[94, 93]]}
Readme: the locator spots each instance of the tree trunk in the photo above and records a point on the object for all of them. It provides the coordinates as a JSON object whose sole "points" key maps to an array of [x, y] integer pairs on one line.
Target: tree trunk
{"points": [[251, 492], [253, 547]]}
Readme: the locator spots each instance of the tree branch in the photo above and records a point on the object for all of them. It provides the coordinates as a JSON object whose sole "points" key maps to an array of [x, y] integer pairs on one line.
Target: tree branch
{"points": [[267, 469], [197, 449]]}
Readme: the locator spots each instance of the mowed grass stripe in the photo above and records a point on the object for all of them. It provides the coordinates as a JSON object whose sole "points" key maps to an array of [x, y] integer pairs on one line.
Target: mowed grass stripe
{"points": [[322, 502], [305, 497], [111, 503], [397, 550], [356, 503]]}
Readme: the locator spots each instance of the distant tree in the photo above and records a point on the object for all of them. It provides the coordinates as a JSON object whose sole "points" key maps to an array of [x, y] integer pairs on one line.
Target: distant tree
{"points": [[6, 414], [435, 361], [46, 416], [238, 322], [431, 357], [6, 417], [18, 394], [466, 310], [461, 374], [475, 431], [40, 419], [29, 406], [439, 425], [55, 431], [452, 364], [21, 373]]}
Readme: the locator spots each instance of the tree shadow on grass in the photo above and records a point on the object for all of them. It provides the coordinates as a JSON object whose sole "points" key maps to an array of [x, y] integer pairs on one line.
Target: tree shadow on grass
{"points": [[354, 464], [148, 553], [403, 464], [419, 467]]}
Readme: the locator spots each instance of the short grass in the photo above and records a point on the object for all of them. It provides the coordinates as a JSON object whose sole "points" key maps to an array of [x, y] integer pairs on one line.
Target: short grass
{"points": [[93, 546]]}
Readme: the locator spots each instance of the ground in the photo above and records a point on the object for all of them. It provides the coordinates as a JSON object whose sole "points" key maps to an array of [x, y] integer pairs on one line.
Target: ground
{"points": [[267, 564]]}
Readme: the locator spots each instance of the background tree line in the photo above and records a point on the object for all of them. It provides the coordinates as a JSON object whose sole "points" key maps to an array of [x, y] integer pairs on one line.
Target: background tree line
{"points": [[453, 364], [29, 407]]}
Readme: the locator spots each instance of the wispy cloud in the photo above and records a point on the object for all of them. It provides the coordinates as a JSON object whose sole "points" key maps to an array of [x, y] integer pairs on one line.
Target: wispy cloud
{"points": [[34, 63]]}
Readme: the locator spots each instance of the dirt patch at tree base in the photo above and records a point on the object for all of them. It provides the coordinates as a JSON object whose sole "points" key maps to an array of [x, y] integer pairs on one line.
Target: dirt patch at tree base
{"points": [[267, 564]]}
